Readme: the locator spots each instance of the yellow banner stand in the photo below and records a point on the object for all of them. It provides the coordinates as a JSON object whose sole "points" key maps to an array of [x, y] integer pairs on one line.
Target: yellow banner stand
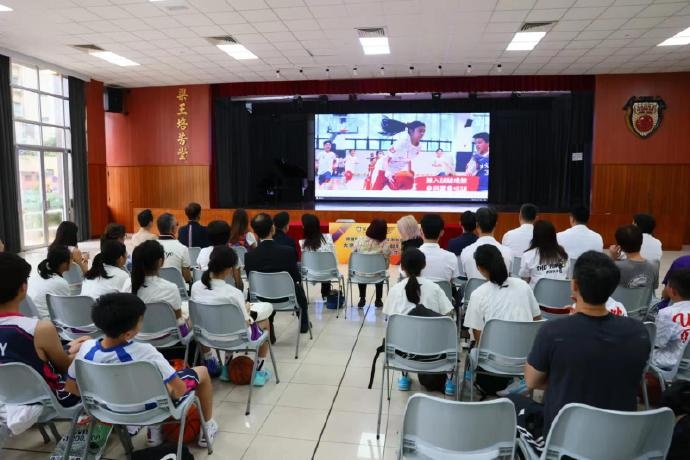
{"points": [[346, 233]]}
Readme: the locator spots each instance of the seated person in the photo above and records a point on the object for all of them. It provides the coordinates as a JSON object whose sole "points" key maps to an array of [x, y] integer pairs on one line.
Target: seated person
{"points": [[219, 235], [50, 279], [193, 235], [544, 258], [635, 271], [468, 222], [145, 219], [373, 242], [315, 241], [66, 234], [281, 221], [441, 265], [680, 263], [107, 274], [486, 221], [410, 235], [31, 341], [651, 247], [579, 238], [176, 254], [673, 324], [120, 316], [114, 231], [518, 239], [573, 356], [213, 290], [239, 230]]}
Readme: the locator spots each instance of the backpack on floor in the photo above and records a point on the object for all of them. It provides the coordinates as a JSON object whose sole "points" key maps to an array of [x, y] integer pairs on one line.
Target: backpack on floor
{"points": [[162, 452]]}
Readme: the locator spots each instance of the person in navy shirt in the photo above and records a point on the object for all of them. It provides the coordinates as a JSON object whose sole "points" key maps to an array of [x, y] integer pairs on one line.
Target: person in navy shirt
{"points": [[193, 235], [468, 222]]}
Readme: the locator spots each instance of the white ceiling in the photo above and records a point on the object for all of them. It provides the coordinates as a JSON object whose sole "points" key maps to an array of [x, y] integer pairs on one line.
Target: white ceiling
{"points": [[591, 37]]}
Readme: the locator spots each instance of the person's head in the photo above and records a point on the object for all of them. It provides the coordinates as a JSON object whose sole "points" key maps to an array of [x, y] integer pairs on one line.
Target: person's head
{"points": [[14, 273], [481, 142], [218, 232], [439, 153], [281, 221], [645, 222], [416, 130], [66, 234], [408, 228], [629, 238], [528, 213], [413, 262], [147, 260], [432, 227], [145, 219], [579, 215], [167, 224], [490, 264], [379, 154], [353, 152], [56, 263], [313, 239], [545, 242], [220, 264], [113, 253], [677, 285], [119, 315], [468, 221], [114, 231], [486, 220], [595, 277], [193, 211], [377, 230], [239, 225], [327, 146], [262, 224]]}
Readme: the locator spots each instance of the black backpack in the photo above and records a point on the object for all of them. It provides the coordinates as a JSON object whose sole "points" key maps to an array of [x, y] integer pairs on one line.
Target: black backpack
{"points": [[160, 452]]}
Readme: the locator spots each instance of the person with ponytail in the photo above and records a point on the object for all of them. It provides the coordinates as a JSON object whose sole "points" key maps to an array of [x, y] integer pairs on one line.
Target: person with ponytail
{"points": [[66, 235], [107, 273], [397, 171], [50, 279], [212, 289]]}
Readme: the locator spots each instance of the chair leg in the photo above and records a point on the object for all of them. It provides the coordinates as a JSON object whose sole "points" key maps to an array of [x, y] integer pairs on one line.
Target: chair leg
{"points": [[180, 437], [273, 361], [341, 284], [383, 379], [337, 303], [306, 288], [388, 383], [46, 438], [70, 435], [297, 343], [645, 396], [461, 391], [251, 382], [202, 416], [54, 431], [186, 354], [124, 439], [89, 432]]}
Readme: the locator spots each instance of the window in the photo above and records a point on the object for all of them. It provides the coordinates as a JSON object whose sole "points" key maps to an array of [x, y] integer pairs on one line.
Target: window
{"points": [[40, 105]]}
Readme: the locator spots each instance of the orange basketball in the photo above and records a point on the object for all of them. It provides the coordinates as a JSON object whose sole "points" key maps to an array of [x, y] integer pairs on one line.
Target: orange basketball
{"points": [[192, 427], [240, 370]]}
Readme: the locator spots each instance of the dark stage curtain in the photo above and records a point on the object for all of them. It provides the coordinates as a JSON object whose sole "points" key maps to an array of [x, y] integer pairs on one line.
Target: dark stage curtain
{"points": [[231, 152], [80, 168], [9, 215]]}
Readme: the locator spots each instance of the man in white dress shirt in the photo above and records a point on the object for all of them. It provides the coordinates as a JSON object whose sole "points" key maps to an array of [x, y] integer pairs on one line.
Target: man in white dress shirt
{"points": [[441, 265], [651, 247], [519, 239], [579, 238], [176, 253], [486, 223]]}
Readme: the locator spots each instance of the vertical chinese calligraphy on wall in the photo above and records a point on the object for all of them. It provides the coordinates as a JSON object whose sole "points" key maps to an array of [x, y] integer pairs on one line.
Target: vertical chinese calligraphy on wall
{"points": [[182, 125]]}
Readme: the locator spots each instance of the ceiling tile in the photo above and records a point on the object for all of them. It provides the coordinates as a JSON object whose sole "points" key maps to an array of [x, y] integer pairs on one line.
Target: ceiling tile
{"points": [[550, 14], [515, 4], [661, 10], [625, 12], [509, 16], [244, 5], [582, 13], [259, 15], [293, 13]]}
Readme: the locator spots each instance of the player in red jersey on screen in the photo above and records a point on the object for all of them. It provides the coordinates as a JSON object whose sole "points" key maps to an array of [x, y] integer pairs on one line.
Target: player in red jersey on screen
{"points": [[351, 163], [397, 172]]}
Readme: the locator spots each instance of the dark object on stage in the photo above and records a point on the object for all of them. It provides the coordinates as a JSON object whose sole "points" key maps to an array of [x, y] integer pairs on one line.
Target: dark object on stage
{"points": [[113, 99]]}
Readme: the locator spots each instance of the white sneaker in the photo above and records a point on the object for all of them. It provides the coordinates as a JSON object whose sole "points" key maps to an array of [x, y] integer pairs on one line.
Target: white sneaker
{"points": [[154, 435], [517, 387], [211, 430]]}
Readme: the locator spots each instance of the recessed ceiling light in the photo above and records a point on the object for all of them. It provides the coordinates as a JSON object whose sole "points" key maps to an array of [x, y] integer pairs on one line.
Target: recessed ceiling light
{"points": [[113, 58], [375, 45], [679, 39], [5, 9], [525, 41], [237, 51]]}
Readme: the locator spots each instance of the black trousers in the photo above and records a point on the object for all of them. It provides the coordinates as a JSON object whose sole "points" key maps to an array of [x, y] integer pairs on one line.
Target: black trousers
{"points": [[363, 291]]}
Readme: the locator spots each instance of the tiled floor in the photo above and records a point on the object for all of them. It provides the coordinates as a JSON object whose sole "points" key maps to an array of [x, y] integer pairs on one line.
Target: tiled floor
{"points": [[320, 409]]}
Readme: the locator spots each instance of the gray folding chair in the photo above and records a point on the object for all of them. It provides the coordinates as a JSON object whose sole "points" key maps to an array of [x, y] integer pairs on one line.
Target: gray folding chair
{"points": [[651, 330], [240, 251], [635, 300], [515, 266], [418, 344], [553, 296], [681, 370], [71, 316], [320, 267], [194, 254], [21, 385], [472, 284], [366, 269], [173, 275], [131, 393], [74, 277], [279, 290], [480, 430], [28, 308], [447, 289], [160, 328], [197, 272], [581, 431], [502, 351], [571, 267], [223, 327]]}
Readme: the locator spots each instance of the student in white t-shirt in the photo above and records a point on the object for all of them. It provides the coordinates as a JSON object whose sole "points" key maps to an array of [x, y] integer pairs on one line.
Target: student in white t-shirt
{"points": [[218, 235], [325, 163], [397, 171], [651, 247], [579, 238], [176, 253], [213, 290], [440, 164], [49, 279], [502, 297], [673, 324], [67, 235], [107, 274], [545, 258], [441, 265], [519, 239], [351, 163], [486, 223]]}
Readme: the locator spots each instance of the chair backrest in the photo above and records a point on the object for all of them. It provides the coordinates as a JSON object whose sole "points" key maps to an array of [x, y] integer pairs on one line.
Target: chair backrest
{"points": [[275, 288], [240, 251], [218, 326], [505, 345], [635, 300], [28, 308], [196, 274], [173, 275], [424, 338], [367, 268], [160, 326], [123, 393], [439, 428], [71, 316], [74, 278], [319, 266], [472, 284], [651, 330], [515, 266], [683, 372], [193, 254], [447, 289], [461, 269], [582, 431], [554, 295], [571, 267], [21, 385]]}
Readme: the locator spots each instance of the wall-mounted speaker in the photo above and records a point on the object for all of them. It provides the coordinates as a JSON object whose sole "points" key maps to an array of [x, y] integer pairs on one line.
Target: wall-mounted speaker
{"points": [[113, 99]]}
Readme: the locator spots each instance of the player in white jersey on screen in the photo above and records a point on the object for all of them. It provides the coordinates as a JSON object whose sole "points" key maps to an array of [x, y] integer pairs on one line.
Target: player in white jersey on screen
{"points": [[325, 163], [397, 171]]}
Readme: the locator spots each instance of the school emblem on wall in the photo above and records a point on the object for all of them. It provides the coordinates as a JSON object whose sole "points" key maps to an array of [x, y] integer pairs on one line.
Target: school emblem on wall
{"points": [[644, 114]]}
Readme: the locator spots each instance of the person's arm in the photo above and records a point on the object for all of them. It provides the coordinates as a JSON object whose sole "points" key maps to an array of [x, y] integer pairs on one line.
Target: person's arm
{"points": [[187, 274], [536, 380], [46, 339], [78, 259], [176, 388], [538, 361], [237, 276], [477, 334]]}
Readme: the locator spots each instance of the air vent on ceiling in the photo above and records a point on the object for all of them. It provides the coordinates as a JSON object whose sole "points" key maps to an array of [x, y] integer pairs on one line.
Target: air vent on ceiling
{"points": [[88, 48], [176, 7], [531, 26], [224, 39], [371, 32]]}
